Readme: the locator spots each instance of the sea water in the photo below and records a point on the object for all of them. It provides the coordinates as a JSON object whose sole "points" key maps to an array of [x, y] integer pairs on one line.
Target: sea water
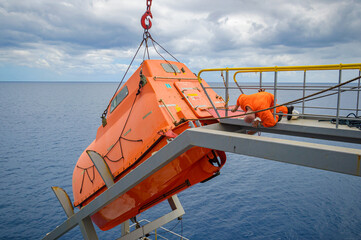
{"points": [[44, 127]]}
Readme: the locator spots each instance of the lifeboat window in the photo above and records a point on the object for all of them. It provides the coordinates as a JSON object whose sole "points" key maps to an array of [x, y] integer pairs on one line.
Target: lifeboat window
{"points": [[170, 68], [119, 98]]}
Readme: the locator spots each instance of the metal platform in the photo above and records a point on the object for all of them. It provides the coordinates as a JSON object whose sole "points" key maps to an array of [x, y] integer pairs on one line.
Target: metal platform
{"points": [[310, 128], [231, 138]]}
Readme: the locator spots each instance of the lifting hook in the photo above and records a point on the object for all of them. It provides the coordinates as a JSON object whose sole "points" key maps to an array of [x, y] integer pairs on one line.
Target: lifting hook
{"points": [[146, 18]]}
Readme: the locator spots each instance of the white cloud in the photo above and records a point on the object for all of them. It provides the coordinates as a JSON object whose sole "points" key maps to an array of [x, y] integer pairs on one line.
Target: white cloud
{"points": [[63, 60], [84, 37]]}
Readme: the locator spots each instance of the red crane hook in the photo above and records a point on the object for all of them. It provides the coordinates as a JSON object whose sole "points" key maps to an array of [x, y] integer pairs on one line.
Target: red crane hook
{"points": [[145, 20]]}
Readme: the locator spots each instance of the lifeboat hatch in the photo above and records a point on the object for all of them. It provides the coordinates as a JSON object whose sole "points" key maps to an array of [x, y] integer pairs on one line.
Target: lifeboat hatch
{"points": [[194, 97]]}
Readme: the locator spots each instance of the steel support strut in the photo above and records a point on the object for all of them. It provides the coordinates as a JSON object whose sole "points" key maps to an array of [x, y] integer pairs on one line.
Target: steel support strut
{"points": [[223, 137], [177, 212]]}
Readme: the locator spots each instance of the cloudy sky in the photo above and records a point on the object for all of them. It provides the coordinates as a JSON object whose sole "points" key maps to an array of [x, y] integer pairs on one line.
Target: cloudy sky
{"points": [[94, 40]]}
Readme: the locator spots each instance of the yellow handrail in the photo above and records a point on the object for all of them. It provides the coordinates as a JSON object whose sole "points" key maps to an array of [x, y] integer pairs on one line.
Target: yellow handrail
{"points": [[275, 69], [282, 68]]}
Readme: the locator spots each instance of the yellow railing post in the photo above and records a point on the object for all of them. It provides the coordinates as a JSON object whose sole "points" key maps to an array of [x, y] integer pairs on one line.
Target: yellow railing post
{"points": [[304, 92]]}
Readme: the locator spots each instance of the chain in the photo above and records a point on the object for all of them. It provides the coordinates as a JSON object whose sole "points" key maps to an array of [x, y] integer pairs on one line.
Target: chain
{"points": [[149, 3]]}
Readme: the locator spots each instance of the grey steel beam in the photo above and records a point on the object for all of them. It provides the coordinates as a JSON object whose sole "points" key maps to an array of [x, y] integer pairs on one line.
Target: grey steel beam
{"points": [[225, 138], [102, 167], [306, 128], [64, 200], [86, 225], [107, 176], [177, 211], [124, 228], [164, 156], [87, 229], [321, 156]]}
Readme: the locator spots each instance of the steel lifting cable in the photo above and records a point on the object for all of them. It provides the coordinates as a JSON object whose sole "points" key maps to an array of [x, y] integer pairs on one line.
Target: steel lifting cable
{"points": [[163, 48], [146, 26], [146, 35], [120, 137], [153, 41], [126, 121], [126, 72], [330, 94], [322, 91], [106, 110]]}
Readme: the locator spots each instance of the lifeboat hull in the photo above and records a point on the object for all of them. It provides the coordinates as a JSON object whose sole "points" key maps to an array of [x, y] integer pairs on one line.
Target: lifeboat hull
{"points": [[180, 174], [148, 111]]}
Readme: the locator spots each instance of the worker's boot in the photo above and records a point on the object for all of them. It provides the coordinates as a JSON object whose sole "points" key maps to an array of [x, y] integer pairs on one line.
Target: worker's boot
{"points": [[290, 110]]}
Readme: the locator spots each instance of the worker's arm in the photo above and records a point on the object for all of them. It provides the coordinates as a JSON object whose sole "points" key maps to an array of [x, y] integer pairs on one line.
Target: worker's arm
{"points": [[256, 122], [235, 108]]}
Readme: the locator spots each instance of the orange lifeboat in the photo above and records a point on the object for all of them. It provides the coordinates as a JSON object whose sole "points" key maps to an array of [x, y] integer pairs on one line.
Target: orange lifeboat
{"points": [[150, 109]]}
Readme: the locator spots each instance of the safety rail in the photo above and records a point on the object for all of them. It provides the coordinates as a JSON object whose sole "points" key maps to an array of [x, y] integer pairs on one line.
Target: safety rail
{"points": [[275, 86], [159, 234]]}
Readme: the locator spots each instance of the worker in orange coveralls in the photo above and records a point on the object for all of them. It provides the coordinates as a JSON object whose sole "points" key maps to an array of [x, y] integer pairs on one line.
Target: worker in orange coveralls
{"points": [[259, 101]]}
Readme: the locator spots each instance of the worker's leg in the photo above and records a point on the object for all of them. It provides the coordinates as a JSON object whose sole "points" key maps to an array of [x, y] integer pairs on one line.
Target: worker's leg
{"points": [[267, 118], [282, 109]]}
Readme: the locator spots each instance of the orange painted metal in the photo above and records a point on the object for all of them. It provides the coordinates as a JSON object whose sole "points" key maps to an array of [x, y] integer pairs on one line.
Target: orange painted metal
{"points": [[135, 130]]}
